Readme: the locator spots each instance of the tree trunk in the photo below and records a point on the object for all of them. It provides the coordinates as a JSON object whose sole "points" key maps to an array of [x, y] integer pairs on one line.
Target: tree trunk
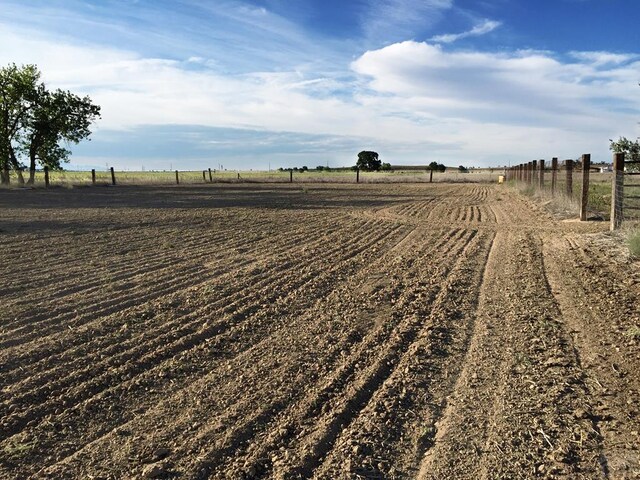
{"points": [[16, 166], [5, 173], [32, 160]]}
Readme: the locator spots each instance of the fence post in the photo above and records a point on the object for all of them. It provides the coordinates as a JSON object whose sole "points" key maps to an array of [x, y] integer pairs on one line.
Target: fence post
{"points": [[541, 176], [617, 191], [530, 173], [569, 165], [177, 178], [93, 176], [584, 202], [357, 175], [554, 175], [46, 176], [113, 177], [534, 170], [291, 175], [204, 176], [431, 176], [210, 177]]}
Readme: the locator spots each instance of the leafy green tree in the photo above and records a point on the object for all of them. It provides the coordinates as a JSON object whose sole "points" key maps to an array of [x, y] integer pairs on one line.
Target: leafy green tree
{"points": [[630, 149], [463, 169], [56, 117], [368, 161], [34, 122], [18, 92], [386, 167], [437, 167]]}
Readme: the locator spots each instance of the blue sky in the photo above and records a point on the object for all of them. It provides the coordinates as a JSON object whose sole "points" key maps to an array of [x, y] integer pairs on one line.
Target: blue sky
{"points": [[193, 84]]}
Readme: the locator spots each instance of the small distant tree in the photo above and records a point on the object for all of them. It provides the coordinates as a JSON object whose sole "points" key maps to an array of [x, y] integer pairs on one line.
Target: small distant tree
{"points": [[385, 167], [368, 161], [630, 149], [463, 169], [304, 168], [437, 167]]}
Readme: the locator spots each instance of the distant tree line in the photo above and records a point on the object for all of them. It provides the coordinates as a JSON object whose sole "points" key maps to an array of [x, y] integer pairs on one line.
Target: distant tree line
{"points": [[36, 124]]}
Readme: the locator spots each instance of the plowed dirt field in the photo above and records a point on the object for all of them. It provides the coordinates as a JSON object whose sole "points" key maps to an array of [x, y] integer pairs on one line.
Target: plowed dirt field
{"points": [[330, 332]]}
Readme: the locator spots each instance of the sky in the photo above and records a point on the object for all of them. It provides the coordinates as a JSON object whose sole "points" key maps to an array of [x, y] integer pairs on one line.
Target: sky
{"points": [[258, 84]]}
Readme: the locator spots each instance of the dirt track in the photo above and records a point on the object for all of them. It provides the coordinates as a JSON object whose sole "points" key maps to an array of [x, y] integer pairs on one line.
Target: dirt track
{"points": [[396, 331]]}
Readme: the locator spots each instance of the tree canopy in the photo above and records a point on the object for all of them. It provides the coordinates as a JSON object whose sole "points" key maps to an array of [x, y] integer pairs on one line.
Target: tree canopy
{"points": [[631, 150], [35, 123], [437, 167], [369, 161]]}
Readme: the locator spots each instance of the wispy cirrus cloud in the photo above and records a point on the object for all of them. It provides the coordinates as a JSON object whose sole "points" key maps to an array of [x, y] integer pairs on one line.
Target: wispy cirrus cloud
{"points": [[393, 20], [483, 28]]}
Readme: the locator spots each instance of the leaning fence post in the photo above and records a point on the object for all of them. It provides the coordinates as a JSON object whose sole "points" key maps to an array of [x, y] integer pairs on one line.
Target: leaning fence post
{"points": [[113, 177], [554, 175], [569, 165], [617, 191], [46, 176], [93, 176], [541, 177], [584, 202], [177, 178]]}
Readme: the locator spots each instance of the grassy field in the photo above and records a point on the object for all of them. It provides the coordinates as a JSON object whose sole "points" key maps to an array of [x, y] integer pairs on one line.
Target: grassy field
{"points": [[79, 178]]}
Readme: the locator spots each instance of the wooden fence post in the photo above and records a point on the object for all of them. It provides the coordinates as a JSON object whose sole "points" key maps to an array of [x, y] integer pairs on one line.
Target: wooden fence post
{"points": [[584, 201], [113, 177], [534, 170], [617, 191], [204, 176], [554, 175], [431, 176], [291, 175], [357, 175], [541, 176], [46, 176], [569, 165], [93, 176], [210, 177], [530, 173], [177, 178]]}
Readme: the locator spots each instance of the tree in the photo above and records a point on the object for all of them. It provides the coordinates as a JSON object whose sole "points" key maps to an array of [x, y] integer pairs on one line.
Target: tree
{"points": [[463, 169], [34, 122], [386, 167], [437, 167], [630, 149], [56, 117], [368, 161], [18, 92]]}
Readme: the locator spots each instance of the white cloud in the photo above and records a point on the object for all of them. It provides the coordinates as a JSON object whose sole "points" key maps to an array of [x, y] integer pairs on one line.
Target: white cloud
{"points": [[414, 101], [485, 27]]}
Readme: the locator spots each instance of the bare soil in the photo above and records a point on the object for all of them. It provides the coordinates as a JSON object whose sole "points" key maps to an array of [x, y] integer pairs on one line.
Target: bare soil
{"points": [[331, 331]]}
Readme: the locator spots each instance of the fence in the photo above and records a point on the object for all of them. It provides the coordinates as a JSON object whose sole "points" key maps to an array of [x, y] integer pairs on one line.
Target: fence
{"points": [[625, 194], [48, 177], [614, 197]]}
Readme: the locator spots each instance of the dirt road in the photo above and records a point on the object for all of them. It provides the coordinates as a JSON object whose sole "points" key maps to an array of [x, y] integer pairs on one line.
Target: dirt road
{"points": [[330, 332]]}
